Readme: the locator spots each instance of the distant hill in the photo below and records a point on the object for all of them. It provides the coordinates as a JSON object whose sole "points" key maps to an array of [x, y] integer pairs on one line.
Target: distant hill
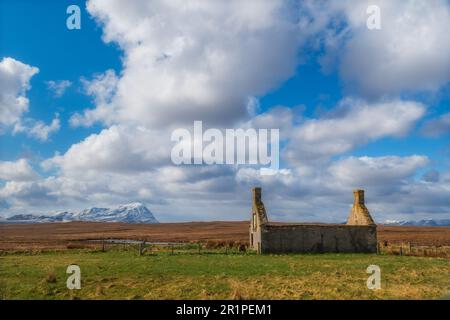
{"points": [[131, 213], [418, 223]]}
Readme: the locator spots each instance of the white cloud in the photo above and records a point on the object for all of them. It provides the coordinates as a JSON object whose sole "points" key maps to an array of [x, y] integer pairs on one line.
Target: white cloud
{"points": [[102, 88], [410, 53], [19, 170], [15, 79], [353, 123], [116, 149], [278, 117], [37, 129], [30, 193], [58, 86], [378, 172], [14, 83], [197, 60]]}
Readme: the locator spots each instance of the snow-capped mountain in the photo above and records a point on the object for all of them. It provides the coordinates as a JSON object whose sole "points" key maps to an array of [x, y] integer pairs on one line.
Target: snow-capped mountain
{"points": [[424, 222], [30, 218], [130, 213]]}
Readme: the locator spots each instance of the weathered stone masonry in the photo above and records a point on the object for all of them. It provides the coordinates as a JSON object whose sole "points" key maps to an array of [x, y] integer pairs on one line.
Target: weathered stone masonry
{"points": [[358, 235]]}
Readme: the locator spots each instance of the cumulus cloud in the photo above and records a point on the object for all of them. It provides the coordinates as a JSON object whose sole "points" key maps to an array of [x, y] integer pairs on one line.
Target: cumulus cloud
{"points": [[14, 83], [197, 60], [410, 53], [19, 170], [30, 193], [278, 117], [379, 172], [353, 123], [15, 79], [58, 87], [37, 129], [116, 149], [102, 88]]}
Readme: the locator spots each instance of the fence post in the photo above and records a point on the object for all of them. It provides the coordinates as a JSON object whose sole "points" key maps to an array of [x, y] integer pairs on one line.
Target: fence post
{"points": [[378, 248], [199, 248], [103, 245], [141, 248], [401, 250]]}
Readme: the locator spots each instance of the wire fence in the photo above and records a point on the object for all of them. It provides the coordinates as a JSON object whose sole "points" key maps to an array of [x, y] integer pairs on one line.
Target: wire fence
{"points": [[411, 249], [143, 247]]}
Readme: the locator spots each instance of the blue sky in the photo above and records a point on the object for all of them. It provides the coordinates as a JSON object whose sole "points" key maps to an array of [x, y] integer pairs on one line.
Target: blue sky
{"points": [[344, 123], [35, 33]]}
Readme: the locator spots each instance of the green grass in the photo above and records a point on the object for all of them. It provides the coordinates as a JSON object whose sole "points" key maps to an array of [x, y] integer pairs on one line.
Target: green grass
{"points": [[122, 274]]}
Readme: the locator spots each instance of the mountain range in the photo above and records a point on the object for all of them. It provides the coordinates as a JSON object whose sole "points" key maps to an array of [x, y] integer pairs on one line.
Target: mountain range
{"points": [[424, 222], [137, 212], [131, 213]]}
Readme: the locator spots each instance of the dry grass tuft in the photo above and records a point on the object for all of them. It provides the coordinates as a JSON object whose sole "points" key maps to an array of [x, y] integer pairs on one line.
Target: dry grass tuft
{"points": [[50, 278]]}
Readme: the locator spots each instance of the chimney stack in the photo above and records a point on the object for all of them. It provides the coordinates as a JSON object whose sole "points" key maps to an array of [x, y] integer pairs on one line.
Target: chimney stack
{"points": [[256, 195], [359, 215], [258, 206]]}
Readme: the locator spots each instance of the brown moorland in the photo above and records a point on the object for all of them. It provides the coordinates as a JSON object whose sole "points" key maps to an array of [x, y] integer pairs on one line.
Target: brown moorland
{"points": [[61, 235]]}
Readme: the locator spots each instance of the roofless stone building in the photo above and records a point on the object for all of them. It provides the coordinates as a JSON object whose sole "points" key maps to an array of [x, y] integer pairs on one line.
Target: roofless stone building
{"points": [[359, 234]]}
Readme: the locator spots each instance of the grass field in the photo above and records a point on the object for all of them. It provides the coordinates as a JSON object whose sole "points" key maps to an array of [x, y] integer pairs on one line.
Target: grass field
{"points": [[122, 274]]}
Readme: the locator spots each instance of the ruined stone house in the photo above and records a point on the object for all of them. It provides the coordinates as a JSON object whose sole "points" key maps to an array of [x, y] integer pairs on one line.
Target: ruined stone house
{"points": [[359, 234]]}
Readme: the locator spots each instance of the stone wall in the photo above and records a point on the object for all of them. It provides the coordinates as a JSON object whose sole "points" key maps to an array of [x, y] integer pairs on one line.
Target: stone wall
{"points": [[318, 238]]}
